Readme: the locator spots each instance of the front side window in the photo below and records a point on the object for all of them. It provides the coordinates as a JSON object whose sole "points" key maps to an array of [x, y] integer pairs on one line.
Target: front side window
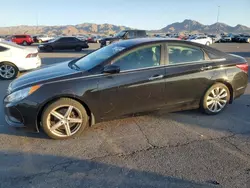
{"points": [[99, 56], [140, 58], [182, 54]]}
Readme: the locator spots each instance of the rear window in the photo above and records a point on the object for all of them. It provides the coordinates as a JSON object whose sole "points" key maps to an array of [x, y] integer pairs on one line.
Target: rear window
{"points": [[2, 49], [12, 44]]}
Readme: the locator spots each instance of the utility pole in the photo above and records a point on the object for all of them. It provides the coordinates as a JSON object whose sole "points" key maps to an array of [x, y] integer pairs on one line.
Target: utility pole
{"points": [[218, 16]]}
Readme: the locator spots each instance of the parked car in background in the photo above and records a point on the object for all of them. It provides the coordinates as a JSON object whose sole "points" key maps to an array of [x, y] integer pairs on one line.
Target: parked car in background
{"points": [[245, 39], [226, 38], [92, 39], [22, 39], [118, 79], [123, 35], [215, 38], [15, 58], [44, 38], [201, 40], [64, 43]]}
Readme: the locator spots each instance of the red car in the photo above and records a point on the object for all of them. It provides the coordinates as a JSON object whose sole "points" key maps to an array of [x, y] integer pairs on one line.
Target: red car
{"points": [[22, 39]]}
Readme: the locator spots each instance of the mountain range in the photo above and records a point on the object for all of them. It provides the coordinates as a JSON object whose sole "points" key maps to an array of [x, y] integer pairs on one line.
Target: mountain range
{"points": [[189, 26], [196, 27]]}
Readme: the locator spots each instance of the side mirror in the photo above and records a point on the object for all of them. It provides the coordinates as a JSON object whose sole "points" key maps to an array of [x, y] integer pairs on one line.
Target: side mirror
{"points": [[111, 69]]}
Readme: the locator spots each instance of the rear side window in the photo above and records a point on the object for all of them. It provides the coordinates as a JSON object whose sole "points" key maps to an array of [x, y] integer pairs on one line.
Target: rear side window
{"points": [[141, 33], [67, 39], [2, 49], [184, 54], [213, 56], [20, 36]]}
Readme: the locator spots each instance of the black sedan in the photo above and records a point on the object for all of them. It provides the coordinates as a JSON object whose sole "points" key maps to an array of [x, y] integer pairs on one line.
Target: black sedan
{"points": [[63, 43], [124, 78]]}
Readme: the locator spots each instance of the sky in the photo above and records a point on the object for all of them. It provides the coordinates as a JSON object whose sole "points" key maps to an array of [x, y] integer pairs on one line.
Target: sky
{"points": [[141, 14]]}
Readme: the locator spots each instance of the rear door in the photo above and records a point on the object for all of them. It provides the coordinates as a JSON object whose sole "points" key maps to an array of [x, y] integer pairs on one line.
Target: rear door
{"points": [[188, 74], [64, 43], [139, 86]]}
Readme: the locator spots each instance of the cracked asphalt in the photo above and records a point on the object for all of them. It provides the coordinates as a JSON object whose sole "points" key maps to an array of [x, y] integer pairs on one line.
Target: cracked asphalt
{"points": [[182, 149]]}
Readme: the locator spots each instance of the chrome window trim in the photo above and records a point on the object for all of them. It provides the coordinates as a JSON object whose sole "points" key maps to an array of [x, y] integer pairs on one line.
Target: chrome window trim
{"points": [[145, 68]]}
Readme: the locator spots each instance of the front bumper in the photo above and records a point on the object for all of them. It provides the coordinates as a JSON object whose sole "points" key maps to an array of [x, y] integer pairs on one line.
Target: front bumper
{"points": [[21, 115]]}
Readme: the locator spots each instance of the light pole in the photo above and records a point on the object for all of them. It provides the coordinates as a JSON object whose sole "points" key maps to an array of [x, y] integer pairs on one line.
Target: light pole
{"points": [[218, 15]]}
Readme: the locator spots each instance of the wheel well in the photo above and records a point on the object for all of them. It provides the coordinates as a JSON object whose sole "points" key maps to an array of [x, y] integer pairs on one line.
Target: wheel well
{"points": [[229, 86], [89, 113], [10, 63]]}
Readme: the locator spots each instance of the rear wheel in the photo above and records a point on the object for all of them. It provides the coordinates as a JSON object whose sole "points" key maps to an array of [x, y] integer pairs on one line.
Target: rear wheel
{"points": [[208, 43], [8, 71], [40, 41], [215, 99], [64, 118]]}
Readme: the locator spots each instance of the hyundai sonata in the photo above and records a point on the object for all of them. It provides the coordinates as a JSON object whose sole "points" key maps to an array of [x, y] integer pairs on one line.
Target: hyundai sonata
{"points": [[124, 78]]}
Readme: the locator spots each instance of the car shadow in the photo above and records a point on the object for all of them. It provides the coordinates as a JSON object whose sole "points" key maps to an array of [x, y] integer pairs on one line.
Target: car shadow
{"points": [[27, 169]]}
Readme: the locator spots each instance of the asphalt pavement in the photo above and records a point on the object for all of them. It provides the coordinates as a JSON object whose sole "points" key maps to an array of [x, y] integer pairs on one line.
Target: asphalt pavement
{"points": [[182, 149]]}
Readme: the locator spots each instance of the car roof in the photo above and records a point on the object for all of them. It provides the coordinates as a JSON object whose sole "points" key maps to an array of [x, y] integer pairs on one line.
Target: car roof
{"points": [[141, 41], [144, 41]]}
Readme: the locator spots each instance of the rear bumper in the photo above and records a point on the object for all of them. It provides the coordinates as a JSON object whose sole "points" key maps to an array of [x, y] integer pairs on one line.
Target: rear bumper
{"points": [[30, 63], [239, 91]]}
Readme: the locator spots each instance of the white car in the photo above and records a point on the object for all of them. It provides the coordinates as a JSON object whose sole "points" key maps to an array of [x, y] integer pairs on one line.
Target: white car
{"points": [[44, 38], [15, 59], [201, 40]]}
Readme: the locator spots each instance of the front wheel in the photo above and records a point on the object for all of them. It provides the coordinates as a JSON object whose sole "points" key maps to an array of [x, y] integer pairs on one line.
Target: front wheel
{"points": [[64, 118], [215, 99], [8, 71], [208, 43]]}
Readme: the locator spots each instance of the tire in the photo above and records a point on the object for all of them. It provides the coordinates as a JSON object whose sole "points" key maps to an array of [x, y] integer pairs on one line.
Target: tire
{"points": [[207, 43], [215, 95], [40, 41], [78, 48], [12, 69], [25, 43], [60, 132], [49, 48]]}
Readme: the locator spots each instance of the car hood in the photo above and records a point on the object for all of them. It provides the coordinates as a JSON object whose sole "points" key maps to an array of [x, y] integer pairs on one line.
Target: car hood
{"points": [[43, 75]]}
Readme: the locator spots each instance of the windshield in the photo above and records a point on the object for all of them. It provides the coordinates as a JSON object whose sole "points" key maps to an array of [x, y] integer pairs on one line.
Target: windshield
{"points": [[120, 34], [97, 57]]}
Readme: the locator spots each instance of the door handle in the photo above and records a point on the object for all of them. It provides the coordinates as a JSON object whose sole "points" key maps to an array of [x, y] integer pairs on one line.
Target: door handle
{"points": [[156, 77], [206, 68]]}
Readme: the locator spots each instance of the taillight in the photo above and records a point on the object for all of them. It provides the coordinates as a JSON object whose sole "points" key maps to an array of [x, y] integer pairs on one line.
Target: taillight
{"points": [[31, 55], [243, 67]]}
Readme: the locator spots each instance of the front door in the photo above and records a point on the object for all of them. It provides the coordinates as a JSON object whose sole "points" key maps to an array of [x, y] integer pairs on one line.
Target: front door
{"points": [[140, 85], [189, 75]]}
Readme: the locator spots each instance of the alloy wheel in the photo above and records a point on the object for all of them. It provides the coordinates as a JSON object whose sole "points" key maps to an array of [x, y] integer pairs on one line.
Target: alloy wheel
{"points": [[7, 71], [217, 99], [64, 121]]}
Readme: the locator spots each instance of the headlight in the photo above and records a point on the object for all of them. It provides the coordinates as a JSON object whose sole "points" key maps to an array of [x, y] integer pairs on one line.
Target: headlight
{"points": [[21, 94]]}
